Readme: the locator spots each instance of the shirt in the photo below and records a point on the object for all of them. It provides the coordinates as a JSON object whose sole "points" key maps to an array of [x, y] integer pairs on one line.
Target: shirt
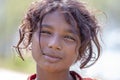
{"points": [[74, 74]]}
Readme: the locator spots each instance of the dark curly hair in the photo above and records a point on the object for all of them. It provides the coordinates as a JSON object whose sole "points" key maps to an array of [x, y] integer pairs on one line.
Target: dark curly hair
{"points": [[74, 11]]}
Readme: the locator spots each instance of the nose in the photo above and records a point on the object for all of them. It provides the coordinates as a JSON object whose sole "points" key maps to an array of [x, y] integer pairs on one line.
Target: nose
{"points": [[55, 43]]}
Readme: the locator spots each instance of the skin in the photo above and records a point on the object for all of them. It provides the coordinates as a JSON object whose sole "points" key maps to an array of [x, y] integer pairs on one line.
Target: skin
{"points": [[59, 48]]}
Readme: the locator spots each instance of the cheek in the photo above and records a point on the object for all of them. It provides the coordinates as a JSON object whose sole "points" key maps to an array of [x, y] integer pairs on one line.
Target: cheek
{"points": [[35, 47], [35, 50], [44, 41], [72, 54]]}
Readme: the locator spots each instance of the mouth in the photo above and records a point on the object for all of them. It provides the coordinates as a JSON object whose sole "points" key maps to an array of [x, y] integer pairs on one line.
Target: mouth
{"points": [[51, 58]]}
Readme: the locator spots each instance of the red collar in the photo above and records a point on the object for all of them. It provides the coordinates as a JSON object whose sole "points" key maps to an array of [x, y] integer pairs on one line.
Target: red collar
{"points": [[74, 74], [32, 77]]}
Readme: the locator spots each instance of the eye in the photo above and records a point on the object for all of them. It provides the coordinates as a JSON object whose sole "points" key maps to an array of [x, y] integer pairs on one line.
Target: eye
{"points": [[69, 38], [45, 32]]}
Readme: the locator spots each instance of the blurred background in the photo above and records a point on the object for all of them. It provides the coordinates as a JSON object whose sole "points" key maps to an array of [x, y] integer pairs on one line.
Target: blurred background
{"points": [[107, 67]]}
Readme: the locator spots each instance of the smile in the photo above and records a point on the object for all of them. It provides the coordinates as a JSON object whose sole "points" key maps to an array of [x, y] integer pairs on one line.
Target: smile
{"points": [[51, 58]]}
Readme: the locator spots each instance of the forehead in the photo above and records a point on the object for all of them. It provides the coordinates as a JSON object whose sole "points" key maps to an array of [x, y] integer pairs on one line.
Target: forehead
{"points": [[54, 17], [57, 18]]}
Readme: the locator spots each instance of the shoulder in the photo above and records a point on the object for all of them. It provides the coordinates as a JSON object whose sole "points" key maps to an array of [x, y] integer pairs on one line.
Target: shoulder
{"points": [[78, 77]]}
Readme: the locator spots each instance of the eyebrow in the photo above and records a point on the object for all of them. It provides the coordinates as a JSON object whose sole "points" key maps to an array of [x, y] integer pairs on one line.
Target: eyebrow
{"points": [[71, 31], [67, 30], [47, 26]]}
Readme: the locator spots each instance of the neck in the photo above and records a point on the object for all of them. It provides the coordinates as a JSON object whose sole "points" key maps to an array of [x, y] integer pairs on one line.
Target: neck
{"points": [[45, 75]]}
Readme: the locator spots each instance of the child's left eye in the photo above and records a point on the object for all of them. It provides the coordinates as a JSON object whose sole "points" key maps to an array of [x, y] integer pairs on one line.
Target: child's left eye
{"points": [[45, 32], [70, 38]]}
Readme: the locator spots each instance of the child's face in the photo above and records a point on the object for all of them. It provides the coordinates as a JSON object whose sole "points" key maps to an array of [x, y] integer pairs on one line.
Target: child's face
{"points": [[59, 44]]}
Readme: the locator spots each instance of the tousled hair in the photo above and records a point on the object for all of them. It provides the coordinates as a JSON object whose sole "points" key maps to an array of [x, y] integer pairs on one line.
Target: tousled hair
{"points": [[74, 12]]}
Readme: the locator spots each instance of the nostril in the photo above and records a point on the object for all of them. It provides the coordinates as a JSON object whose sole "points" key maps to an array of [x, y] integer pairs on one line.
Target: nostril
{"points": [[55, 46], [50, 46], [55, 43]]}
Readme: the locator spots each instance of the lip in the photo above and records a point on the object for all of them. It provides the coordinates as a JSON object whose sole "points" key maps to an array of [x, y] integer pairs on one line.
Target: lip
{"points": [[51, 58]]}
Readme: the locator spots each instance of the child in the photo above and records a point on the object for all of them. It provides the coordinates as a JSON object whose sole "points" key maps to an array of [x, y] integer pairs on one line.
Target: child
{"points": [[60, 33]]}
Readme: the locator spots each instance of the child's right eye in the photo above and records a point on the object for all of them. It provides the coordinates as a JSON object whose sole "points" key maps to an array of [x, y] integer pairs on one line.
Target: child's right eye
{"points": [[45, 32]]}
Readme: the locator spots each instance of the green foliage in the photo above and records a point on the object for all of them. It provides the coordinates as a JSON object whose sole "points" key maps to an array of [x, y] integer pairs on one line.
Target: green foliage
{"points": [[11, 14], [27, 66]]}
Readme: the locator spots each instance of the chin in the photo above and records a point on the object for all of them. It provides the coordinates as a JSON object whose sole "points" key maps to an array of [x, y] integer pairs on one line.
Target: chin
{"points": [[52, 68]]}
